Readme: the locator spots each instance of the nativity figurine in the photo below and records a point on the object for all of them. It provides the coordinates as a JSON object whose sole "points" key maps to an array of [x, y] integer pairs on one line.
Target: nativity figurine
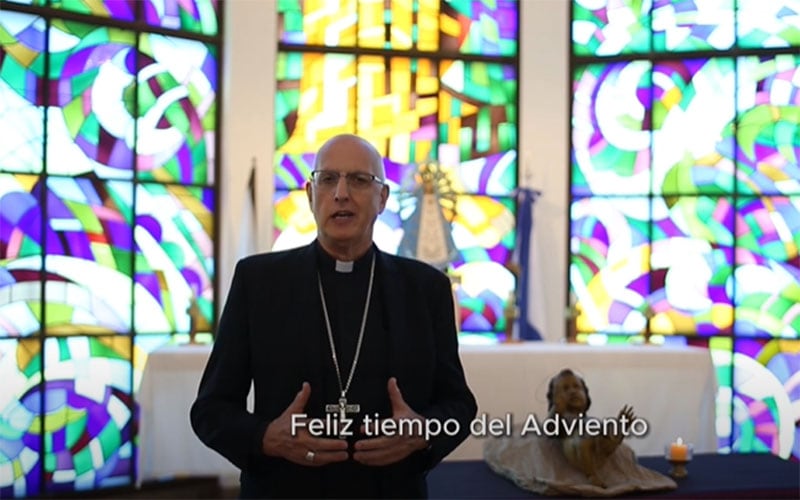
{"points": [[573, 454]]}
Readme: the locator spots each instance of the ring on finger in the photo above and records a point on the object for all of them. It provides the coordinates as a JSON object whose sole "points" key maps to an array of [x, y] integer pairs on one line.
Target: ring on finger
{"points": [[310, 456]]}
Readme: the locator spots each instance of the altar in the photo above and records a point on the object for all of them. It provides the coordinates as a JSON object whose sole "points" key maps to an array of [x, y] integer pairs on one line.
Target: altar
{"points": [[672, 389], [168, 447]]}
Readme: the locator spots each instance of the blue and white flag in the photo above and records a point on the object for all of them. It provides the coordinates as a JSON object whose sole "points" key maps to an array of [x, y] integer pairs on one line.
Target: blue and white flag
{"points": [[524, 329]]}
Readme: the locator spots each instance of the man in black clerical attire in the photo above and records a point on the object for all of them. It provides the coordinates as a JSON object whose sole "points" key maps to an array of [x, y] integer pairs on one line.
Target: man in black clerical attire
{"points": [[352, 353]]}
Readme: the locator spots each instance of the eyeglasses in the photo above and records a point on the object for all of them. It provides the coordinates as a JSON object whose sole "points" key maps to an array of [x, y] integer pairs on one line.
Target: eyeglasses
{"points": [[329, 179]]}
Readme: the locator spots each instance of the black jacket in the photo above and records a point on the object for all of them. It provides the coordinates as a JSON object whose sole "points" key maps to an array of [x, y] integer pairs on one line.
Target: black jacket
{"points": [[269, 334]]}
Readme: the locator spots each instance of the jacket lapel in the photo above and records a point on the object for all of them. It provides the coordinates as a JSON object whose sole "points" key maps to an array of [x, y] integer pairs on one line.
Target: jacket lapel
{"points": [[393, 293], [308, 323]]}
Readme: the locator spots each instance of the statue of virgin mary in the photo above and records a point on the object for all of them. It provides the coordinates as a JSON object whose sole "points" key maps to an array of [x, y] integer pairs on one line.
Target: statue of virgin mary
{"points": [[427, 234]]}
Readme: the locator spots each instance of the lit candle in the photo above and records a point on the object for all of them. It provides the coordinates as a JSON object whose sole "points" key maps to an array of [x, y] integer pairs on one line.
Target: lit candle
{"points": [[679, 451]]}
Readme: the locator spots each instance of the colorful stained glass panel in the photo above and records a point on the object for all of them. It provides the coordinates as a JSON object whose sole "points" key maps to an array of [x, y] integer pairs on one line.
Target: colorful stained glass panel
{"points": [[330, 23], [607, 27], [476, 27], [693, 114], [765, 397], [768, 129], [196, 16], [106, 104], [89, 244], [395, 24], [293, 222], [288, 75], [88, 416], [483, 232], [610, 263], [20, 432], [400, 108], [397, 104], [692, 265], [326, 87], [26, 2], [20, 255], [90, 123], [484, 229], [724, 220], [721, 350], [175, 135], [611, 135], [22, 45], [481, 27], [768, 24], [768, 266], [123, 10], [290, 22], [478, 108], [688, 25], [174, 257]]}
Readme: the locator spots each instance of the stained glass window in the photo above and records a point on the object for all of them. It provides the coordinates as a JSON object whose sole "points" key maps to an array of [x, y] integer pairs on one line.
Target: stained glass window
{"points": [[108, 196], [20, 442], [685, 191], [428, 81], [479, 27], [195, 16]]}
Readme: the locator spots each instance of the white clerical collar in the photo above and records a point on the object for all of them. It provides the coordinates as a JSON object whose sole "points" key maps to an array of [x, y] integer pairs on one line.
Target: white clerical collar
{"points": [[343, 266]]}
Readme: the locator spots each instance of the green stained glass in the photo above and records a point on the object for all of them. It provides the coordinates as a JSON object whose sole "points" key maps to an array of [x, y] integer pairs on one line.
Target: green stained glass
{"points": [[610, 134], [768, 129], [762, 402], [610, 28], [687, 25], [719, 145], [486, 27], [88, 121], [462, 115], [70, 79], [110, 441], [175, 222], [178, 103], [22, 46], [768, 24], [77, 422], [82, 461], [196, 16], [91, 295], [20, 365], [124, 10], [20, 255]]}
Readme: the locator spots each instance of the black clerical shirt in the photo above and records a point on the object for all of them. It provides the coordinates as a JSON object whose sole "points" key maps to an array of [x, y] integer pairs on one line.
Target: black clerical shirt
{"points": [[272, 337], [345, 295]]}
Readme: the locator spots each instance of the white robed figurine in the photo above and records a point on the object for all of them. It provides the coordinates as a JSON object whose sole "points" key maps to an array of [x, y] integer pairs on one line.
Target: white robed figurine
{"points": [[427, 234], [572, 463]]}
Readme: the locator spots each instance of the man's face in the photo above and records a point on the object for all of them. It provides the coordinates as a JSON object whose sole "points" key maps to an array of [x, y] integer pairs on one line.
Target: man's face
{"points": [[345, 211], [569, 395]]}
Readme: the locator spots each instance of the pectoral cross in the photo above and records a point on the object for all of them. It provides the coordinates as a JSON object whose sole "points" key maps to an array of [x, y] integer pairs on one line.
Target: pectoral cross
{"points": [[342, 408]]}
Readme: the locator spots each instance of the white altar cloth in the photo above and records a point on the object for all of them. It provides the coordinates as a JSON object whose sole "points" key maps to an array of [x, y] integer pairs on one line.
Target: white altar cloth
{"points": [[673, 389], [168, 447]]}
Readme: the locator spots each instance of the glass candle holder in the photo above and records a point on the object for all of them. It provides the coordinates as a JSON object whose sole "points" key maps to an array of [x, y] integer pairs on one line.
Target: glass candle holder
{"points": [[678, 454]]}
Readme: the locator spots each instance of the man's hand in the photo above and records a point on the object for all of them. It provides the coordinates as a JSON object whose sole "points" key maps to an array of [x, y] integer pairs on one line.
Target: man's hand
{"points": [[300, 447], [385, 450]]}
